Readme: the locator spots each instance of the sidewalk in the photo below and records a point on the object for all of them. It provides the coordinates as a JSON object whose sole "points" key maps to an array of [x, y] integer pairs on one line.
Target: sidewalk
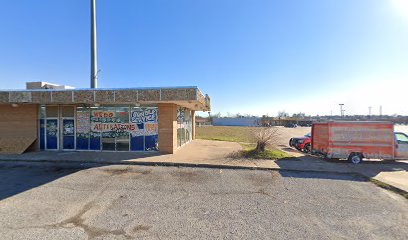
{"points": [[215, 154]]}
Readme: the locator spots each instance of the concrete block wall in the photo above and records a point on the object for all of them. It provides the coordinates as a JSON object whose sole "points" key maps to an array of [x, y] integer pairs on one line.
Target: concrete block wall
{"points": [[18, 127], [167, 117]]}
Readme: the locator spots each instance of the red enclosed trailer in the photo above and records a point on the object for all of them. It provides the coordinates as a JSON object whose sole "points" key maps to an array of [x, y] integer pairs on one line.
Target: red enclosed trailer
{"points": [[357, 140]]}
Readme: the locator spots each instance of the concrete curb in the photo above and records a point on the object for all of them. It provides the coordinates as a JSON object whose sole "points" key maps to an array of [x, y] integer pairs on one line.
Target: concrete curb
{"points": [[178, 164]]}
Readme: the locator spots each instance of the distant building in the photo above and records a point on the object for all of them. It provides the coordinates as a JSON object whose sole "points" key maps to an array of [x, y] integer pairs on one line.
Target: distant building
{"points": [[237, 121], [200, 121]]}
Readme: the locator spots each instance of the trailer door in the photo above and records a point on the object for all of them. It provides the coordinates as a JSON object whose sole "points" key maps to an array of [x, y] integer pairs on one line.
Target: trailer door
{"points": [[402, 145]]}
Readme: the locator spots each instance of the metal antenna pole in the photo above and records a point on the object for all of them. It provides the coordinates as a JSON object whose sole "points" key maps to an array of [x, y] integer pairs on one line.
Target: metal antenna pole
{"points": [[341, 109], [94, 63]]}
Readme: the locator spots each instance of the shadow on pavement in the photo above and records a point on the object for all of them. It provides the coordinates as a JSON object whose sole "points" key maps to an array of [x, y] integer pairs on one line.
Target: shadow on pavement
{"points": [[80, 156], [323, 175], [21, 177]]}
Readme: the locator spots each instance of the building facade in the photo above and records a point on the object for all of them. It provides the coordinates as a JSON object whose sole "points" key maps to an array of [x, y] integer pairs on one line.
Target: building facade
{"points": [[135, 119]]}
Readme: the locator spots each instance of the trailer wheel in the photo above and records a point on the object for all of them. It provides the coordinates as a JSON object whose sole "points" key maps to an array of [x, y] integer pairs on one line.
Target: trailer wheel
{"points": [[355, 158]]}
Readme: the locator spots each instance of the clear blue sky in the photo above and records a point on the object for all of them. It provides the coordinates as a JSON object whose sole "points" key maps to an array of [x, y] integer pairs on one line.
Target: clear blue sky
{"points": [[250, 56]]}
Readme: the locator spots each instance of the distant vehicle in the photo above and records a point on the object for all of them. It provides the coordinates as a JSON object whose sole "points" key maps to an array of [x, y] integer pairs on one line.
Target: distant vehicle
{"points": [[290, 125], [305, 124], [303, 144], [357, 140]]}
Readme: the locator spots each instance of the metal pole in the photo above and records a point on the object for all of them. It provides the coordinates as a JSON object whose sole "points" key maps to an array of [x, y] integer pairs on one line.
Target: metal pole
{"points": [[94, 63], [341, 110]]}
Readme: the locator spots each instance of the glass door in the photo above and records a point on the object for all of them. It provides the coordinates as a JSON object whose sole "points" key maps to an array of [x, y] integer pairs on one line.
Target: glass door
{"points": [[51, 134], [67, 114], [68, 134]]}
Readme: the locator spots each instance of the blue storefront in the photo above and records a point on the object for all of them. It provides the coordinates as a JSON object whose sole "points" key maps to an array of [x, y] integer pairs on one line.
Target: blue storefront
{"points": [[106, 128], [102, 128]]}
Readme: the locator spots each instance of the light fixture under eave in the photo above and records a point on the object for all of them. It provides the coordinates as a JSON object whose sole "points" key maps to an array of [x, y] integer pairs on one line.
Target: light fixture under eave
{"points": [[97, 104], [137, 104], [14, 105]]}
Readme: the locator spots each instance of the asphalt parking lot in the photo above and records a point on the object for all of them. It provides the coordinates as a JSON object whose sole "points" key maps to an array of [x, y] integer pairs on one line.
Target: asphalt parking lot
{"points": [[49, 201]]}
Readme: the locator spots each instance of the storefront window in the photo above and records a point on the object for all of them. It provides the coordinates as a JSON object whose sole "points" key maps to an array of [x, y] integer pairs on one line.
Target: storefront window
{"points": [[95, 135], [122, 132], [108, 128], [144, 136], [184, 126]]}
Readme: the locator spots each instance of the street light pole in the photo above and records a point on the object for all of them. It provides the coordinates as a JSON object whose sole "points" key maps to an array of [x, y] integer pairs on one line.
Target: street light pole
{"points": [[341, 109], [94, 63]]}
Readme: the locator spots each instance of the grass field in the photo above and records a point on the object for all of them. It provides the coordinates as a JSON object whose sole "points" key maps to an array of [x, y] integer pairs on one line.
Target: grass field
{"points": [[244, 136], [224, 133]]}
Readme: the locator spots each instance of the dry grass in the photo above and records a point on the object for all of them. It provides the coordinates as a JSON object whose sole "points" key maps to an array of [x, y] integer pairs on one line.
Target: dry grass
{"points": [[266, 137], [244, 136], [254, 154]]}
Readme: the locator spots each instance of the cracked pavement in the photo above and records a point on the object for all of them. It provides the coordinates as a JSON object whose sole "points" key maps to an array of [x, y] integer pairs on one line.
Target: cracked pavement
{"points": [[57, 201]]}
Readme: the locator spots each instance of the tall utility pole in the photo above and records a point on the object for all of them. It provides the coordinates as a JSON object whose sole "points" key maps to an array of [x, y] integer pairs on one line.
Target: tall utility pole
{"points": [[94, 57], [380, 110], [341, 109], [369, 111]]}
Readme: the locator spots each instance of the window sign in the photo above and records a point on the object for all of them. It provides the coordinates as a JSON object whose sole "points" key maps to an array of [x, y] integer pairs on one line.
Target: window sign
{"points": [[145, 135], [83, 122], [52, 133], [68, 140], [68, 127], [144, 115]]}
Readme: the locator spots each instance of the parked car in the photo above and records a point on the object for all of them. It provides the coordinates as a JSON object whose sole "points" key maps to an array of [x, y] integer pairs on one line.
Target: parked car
{"points": [[357, 140], [290, 125], [305, 124], [302, 143]]}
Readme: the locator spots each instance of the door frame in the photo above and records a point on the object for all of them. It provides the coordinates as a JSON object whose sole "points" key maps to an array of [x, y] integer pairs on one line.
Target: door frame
{"points": [[61, 135], [45, 134]]}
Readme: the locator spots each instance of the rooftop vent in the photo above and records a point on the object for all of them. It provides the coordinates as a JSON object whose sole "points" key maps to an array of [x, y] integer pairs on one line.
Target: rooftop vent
{"points": [[45, 85]]}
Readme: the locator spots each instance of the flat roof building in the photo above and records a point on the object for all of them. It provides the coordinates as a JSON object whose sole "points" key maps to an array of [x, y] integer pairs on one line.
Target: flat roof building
{"points": [[50, 117]]}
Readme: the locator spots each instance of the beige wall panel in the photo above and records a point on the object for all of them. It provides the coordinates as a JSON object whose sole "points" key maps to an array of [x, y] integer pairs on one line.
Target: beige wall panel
{"points": [[104, 96], [62, 97], [173, 94], [18, 127], [84, 96], [126, 96], [167, 117], [193, 132], [41, 97], [149, 95], [20, 97]]}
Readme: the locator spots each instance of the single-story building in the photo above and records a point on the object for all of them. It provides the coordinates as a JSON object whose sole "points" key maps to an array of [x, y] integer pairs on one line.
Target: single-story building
{"points": [[236, 121], [120, 119], [200, 121]]}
